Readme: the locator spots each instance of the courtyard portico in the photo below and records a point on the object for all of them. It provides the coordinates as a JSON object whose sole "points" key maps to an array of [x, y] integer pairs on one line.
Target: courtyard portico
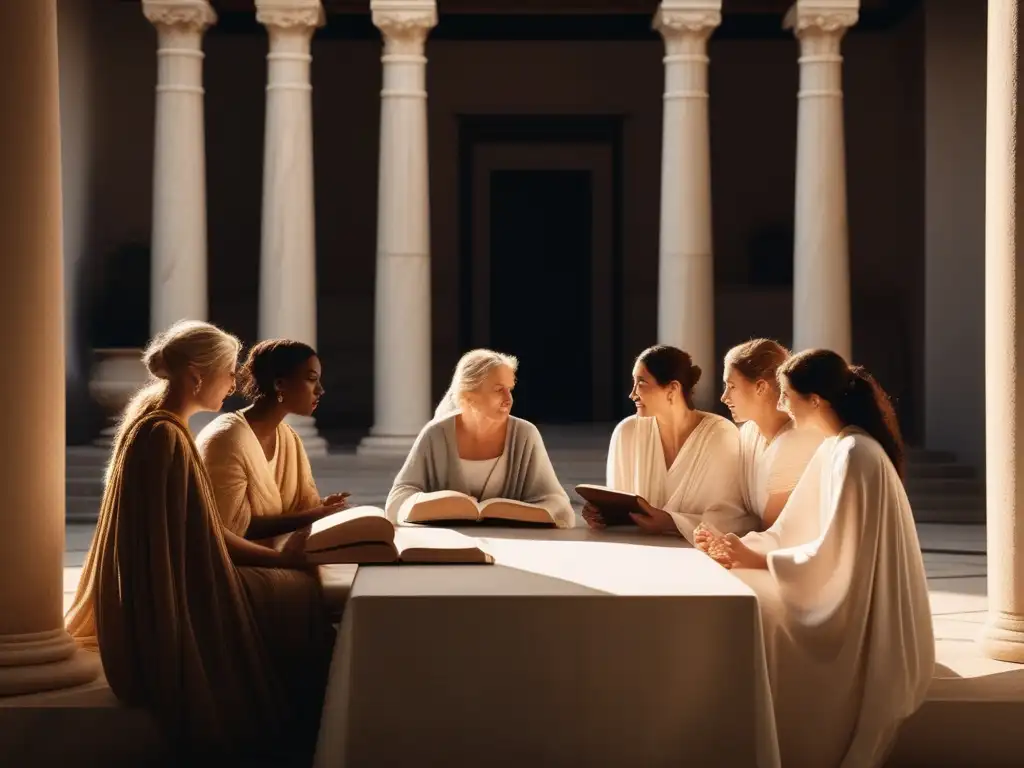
{"points": [[35, 652]]}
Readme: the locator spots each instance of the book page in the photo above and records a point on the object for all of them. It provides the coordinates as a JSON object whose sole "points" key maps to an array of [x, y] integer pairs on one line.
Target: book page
{"points": [[368, 553], [443, 505], [350, 526], [509, 509], [438, 545]]}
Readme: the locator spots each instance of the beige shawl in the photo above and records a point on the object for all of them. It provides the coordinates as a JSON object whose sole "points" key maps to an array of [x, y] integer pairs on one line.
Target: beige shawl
{"points": [[703, 483], [244, 484], [227, 659], [847, 622]]}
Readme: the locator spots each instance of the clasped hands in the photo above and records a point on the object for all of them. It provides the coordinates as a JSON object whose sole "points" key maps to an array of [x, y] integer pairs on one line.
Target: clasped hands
{"points": [[727, 550]]}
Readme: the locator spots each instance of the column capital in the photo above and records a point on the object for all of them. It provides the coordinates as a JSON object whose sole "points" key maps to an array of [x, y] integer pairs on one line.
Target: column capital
{"points": [[404, 19], [822, 16], [290, 14], [681, 17], [190, 15]]}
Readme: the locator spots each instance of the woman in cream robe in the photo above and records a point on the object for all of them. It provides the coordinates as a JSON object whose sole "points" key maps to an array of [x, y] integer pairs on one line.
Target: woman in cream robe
{"points": [[231, 661], [840, 579], [260, 497], [773, 451], [684, 463], [476, 447]]}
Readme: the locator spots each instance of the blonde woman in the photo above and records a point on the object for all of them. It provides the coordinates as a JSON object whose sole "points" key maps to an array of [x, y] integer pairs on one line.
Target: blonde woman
{"points": [[773, 452], [231, 661], [261, 475], [476, 447]]}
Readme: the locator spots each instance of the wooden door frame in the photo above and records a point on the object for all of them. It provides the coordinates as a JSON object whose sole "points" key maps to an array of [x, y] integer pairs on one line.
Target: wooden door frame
{"points": [[584, 142]]}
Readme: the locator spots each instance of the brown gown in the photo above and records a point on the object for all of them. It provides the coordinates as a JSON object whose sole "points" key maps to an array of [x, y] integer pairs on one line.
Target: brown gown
{"points": [[231, 661]]}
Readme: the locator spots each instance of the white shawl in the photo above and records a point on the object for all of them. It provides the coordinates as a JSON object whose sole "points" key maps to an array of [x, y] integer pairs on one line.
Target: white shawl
{"points": [[773, 467], [844, 603], [703, 483]]}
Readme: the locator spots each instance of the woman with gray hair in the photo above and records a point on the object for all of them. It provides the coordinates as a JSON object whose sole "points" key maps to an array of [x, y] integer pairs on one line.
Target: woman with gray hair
{"points": [[475, 447]]}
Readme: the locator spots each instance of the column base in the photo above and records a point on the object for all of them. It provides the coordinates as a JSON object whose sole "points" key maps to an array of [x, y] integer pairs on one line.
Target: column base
{"points": [[1002, 637], [312, 441], [44, 661], [385, 445]]}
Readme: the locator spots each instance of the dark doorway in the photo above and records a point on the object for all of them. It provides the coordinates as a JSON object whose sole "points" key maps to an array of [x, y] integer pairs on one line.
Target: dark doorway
{"points": [[540, 247]]}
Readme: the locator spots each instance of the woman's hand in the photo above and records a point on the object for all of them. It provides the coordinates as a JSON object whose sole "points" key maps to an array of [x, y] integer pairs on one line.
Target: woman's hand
{"points": [[703, 537], [733, 553], [337, 501], [655, 521], [592, 516]]}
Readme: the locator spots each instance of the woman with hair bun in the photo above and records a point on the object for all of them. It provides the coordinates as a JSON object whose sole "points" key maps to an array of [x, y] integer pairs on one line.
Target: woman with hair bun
{"points": [[839, 576], [230, 661], [261, 474], [684, 463]]}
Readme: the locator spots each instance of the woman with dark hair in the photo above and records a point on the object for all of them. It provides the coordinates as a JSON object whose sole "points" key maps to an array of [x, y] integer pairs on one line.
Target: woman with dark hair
{"points": [[840, 577], [682, 462], [261, 475], [773, 451]]}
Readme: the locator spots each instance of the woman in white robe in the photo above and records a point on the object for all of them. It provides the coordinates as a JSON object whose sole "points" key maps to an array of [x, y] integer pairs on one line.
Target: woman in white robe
{"points": [[840, 578], [683, 463], [773, 451]]}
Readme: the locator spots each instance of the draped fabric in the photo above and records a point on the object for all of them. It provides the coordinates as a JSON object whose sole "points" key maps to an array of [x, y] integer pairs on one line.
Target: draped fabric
{"points": [[703, 484], [245, 484], [225, 659], [844, 604]]}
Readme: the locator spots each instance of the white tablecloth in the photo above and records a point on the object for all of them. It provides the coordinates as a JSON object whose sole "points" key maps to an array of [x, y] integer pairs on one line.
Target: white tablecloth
{"points": [[578, 648]]}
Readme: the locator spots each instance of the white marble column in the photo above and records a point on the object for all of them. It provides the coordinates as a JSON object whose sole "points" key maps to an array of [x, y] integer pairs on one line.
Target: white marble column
{"points": [[686, 275], [178, 281], [1003, 634], [288, 240], [821, 269], [402, 340], [36, 653]]}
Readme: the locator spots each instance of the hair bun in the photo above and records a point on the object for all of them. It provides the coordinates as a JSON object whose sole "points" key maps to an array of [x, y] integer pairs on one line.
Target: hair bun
{"points": [[694, 375], [157, 364]]}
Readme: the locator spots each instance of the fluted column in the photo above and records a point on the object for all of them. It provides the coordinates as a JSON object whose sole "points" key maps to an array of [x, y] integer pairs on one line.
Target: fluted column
{"points": [[288, 242], [36, 653], [821, 269], [178, 281], [686, 275], [1003, 635], [402, 340]]}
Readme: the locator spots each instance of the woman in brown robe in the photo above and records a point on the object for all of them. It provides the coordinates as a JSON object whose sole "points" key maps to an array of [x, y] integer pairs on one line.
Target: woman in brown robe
{"points": [[231, 661]]}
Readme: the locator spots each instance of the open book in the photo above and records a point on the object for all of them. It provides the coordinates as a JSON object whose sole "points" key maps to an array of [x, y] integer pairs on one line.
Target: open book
{"points": [[364, 535], [613, 505], [455, 507]]}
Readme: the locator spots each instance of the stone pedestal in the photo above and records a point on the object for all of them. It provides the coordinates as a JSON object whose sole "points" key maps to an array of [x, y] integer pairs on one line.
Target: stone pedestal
{"points": [[36, 653], [402, 340], [178, 283], [116, 376], [1003, 635], [821, 270], [686, 275], [288, 242]]}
